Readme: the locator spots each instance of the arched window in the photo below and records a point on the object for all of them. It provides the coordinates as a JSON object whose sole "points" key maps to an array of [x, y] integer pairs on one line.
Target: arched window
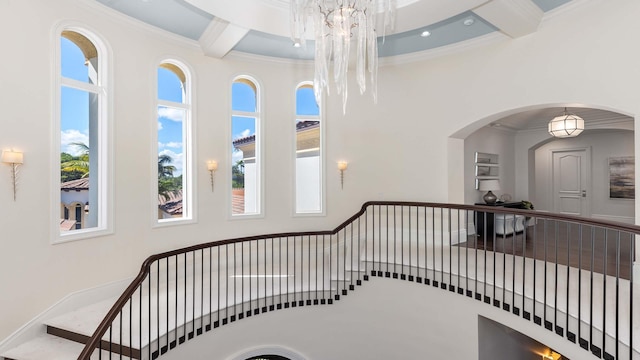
{"points": [[308, 159], [173, 141], [81, 185], [245, 137]]}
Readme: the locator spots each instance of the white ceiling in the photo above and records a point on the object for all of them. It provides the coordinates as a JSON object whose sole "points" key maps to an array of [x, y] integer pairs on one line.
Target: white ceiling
{"points": [[539, 119], [262, 27]]}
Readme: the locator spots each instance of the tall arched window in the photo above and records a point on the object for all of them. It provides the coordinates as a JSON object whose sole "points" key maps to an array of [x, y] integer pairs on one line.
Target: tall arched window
{"points": [[308, 160], [245, 137], [81, 185], [173, 140]]}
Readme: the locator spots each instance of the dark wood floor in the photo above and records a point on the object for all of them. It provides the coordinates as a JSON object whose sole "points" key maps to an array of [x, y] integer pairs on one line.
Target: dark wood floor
{"points": [[579, 246]]}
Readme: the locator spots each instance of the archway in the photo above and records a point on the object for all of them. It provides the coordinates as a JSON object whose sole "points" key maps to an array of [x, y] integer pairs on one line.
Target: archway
{"points": [[517, 133]]}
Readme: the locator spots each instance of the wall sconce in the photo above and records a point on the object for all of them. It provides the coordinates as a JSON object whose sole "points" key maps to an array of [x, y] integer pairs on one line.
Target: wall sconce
{"points": [[342, 166], [212, 166], [13, 158]]}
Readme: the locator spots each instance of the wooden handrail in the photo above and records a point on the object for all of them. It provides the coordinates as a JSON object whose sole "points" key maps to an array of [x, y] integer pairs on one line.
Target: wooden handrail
{"points": [[115, 310]]}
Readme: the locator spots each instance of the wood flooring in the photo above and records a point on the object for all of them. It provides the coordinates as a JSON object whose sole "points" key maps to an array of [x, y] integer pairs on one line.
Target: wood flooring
{"points": [[580, 246]]}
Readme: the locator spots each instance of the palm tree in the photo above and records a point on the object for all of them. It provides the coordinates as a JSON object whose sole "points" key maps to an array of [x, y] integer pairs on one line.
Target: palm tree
{"points": [[238, 175], [166, 182], [79, 163], [164, 169]]}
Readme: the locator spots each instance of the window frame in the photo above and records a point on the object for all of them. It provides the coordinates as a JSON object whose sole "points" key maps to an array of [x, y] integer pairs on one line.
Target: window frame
{"points": [[105, 205], [320, 117], [259, 147], [188, 146]]}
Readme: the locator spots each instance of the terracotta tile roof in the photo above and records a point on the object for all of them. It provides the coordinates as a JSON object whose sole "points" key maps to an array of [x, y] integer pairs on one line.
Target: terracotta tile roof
{"points": [[75, 185], [307, 124], [244, 140], [172, 204]]}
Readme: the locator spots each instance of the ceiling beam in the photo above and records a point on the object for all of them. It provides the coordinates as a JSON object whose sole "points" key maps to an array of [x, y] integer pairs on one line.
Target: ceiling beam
{"points": [[220, 37], [515, 18]]}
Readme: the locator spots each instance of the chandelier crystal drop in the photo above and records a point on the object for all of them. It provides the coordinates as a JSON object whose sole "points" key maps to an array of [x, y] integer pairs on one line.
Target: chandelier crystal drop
{"points": [[336, 23]]}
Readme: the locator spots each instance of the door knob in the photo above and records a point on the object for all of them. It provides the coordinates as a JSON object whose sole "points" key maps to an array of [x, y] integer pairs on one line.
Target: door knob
{"points": [[584, 193]]}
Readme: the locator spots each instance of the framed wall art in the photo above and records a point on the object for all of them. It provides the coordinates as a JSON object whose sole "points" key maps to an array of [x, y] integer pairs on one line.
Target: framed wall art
{"points": [[622, 177]]}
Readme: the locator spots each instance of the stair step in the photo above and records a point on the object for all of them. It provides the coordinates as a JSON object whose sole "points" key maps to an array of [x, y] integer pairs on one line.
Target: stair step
{"points": [[45, 347], [48, 347], [83, 321]]}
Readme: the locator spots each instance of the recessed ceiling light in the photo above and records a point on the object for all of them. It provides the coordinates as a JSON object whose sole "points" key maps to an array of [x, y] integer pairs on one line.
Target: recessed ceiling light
{"points": [[425, 33], [296, 44], [468, 22]]}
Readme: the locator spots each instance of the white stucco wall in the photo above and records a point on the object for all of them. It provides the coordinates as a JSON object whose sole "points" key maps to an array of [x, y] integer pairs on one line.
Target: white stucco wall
{"points": [[399, 149]]}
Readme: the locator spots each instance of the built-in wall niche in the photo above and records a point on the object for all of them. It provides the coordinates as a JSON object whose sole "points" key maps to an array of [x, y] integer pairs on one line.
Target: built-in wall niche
{"points": [[487, 167]]}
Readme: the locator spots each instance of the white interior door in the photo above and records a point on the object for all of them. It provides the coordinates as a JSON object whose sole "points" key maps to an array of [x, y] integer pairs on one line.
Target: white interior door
{"points": [[571, 182]]}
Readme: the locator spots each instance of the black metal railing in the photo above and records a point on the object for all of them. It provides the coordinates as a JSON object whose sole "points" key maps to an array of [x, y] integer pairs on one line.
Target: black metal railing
{"points": [[574, 276]]}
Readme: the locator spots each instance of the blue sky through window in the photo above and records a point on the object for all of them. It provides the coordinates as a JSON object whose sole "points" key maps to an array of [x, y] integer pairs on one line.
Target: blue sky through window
{"points": [[170, 119], [306, 102], [72, 61], [243, 98], [74, 110]]}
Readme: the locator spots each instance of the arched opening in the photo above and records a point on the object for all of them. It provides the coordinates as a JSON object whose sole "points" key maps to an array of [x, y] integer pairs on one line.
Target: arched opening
{"points": [[526, 151]]}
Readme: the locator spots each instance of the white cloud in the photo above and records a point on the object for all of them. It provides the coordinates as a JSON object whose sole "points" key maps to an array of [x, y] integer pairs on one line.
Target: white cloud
{"points": [[67, 137], [177, 161], [244, 133], [171, 144], [171, 114], [236, 156], [159, 125]]}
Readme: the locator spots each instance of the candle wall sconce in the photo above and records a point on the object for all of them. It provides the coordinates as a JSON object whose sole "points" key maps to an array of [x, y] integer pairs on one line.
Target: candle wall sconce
{"points": [[14, 159], [212, 166], [342, 166]]}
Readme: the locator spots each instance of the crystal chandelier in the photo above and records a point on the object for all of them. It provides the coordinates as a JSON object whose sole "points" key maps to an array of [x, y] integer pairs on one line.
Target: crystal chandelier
{"points": [[336, 23], [566, 125]]}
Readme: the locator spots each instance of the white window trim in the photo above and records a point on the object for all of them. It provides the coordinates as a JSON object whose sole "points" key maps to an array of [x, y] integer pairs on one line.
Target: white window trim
{"points": [[320, 117], [105, 146], [260, 135], [188, 147]]}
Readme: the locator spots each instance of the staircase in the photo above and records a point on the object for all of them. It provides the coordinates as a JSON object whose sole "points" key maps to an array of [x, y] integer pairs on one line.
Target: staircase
{"points": [[78, 312], [182, 294]]}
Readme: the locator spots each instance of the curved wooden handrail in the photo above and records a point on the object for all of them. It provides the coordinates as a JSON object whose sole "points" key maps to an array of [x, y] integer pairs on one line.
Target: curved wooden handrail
{"points": [[115, 310]]}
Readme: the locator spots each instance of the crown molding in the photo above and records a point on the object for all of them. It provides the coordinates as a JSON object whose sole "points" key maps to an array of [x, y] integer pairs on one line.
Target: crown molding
{"points": [[102, 10], [480, 41], [563, 9]]}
